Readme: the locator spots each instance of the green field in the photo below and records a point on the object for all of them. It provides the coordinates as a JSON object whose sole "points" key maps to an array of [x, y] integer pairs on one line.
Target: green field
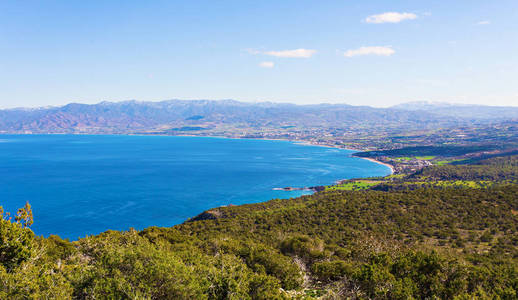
{"points": [[444, 162], [353, 185], [408, 158], [429, 157]]}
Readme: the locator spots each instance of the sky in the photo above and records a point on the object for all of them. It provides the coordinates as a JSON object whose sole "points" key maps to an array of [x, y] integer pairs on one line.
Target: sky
{"points": [[360, 52]]}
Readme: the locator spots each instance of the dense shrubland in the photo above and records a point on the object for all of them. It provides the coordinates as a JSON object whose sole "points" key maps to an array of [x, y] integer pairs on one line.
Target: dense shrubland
{"points": [[495, 169], [422, 243]]}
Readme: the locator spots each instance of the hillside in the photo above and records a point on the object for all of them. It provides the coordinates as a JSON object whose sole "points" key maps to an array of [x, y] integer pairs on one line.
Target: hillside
{"points": [[447, 231]]}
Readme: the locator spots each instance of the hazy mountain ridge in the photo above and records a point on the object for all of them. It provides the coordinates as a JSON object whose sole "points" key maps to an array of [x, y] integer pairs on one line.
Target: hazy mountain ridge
{"points": [[134, 116], [467, 111]]}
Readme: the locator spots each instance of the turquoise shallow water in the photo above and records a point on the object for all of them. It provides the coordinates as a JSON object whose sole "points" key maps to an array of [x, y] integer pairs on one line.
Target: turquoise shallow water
{"points": [[80, 185]]}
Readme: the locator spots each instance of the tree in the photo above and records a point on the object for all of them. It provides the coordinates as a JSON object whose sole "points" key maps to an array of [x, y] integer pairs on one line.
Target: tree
{"points": [[16, 240], [24, 216]]}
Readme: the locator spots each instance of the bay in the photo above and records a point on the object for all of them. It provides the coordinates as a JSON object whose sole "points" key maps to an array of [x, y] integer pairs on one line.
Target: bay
{"points": [[81, 185]]}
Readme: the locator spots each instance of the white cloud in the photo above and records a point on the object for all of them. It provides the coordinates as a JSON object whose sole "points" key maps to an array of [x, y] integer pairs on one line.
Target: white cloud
{"points": [[376, 50], [297, 53], [485, 22], [267, 64], [390, 17]]}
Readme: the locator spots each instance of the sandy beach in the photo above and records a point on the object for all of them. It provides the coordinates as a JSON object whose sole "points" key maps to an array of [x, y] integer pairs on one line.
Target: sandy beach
{"points": [[379, 162]]}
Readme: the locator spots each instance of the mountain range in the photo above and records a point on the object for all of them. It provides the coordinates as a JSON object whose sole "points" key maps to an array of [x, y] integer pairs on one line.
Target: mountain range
{"points": [[465, 111], [137, 117]]}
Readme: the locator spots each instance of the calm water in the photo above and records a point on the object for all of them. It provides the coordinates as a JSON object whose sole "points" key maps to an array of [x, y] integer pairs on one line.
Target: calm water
{"points": [[81, 185]]}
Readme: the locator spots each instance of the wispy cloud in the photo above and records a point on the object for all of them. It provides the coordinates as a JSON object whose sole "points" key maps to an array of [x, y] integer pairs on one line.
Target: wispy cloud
{"points": [[390, 17], [267, 64], [297, 53], [485, 22], [375, 50]]}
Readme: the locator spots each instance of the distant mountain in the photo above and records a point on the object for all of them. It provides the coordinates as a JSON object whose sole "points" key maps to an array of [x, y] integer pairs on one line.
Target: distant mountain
{"points": [[174, 115], [464, 111]]}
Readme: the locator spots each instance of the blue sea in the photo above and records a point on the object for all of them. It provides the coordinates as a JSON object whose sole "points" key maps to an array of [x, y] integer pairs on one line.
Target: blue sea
{"points": [[81, 185]]}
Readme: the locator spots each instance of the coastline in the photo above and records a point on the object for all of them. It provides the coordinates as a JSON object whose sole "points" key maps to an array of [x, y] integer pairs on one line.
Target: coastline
{"points": [[379, 162], [306, 143], [299, 142]]}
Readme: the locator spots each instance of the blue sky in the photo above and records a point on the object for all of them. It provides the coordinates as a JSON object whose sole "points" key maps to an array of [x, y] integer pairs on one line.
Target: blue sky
{"points": [[365, 52]]}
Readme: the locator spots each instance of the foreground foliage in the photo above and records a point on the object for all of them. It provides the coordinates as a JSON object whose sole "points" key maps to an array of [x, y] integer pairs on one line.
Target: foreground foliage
{"points": [[383, 241]]}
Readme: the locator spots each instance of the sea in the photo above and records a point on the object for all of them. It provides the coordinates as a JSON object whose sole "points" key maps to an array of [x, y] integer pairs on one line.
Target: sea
{"points": [[80, 185]]}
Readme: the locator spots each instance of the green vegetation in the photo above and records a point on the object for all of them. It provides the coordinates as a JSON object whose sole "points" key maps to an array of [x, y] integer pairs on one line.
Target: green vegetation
{"points": [[495, 169], [445, 232], [408, 158], [428, 151], [353, 185], [430, 157], [394, 176]]}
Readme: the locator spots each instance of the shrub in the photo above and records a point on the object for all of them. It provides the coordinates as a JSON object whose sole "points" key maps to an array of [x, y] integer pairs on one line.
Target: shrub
{"points": [[330, 270]]}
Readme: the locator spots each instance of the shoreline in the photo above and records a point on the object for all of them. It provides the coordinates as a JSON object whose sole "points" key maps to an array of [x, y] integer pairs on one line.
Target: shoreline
{"points": [[308, 143], [379, 162], [299, 142], [302, 143]]}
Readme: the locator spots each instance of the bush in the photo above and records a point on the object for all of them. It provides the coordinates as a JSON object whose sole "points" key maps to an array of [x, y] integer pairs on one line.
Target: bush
{"points": [[303, 246], [330, 270], [16, 243]]}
